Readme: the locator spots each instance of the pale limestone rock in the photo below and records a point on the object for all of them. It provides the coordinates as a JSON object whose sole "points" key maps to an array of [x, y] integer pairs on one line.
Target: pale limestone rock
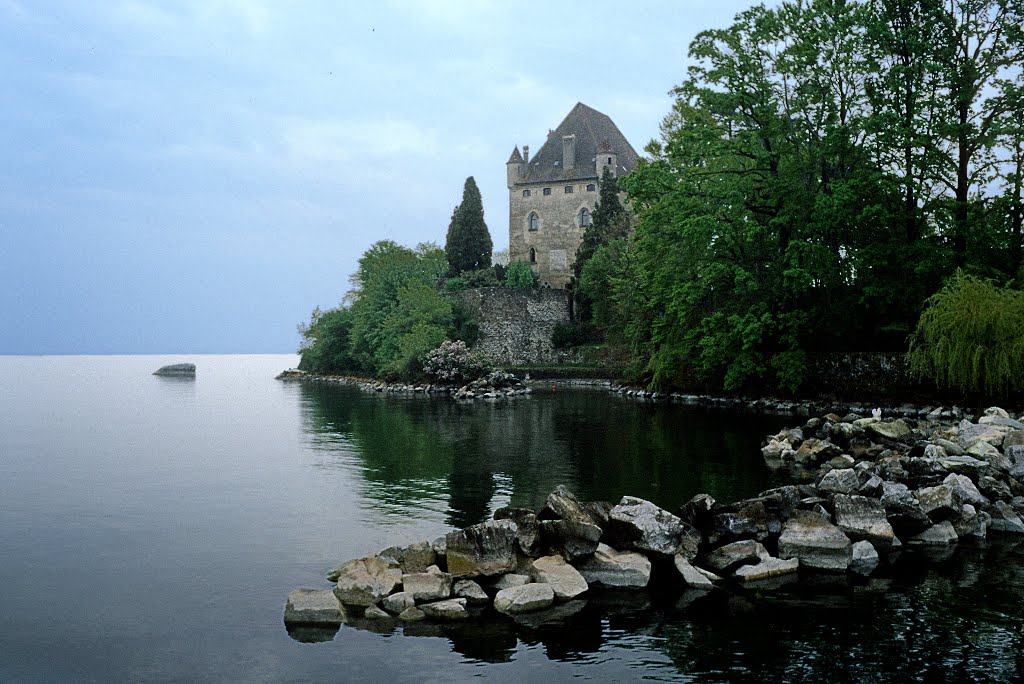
{"points": [[690, 574], [565, 580], [449, 609], [524, 599], [313, 607], [364, 582], [611, 568], [818, 544]]}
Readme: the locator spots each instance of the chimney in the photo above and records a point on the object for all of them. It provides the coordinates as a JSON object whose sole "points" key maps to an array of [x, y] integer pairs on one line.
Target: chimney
{"points": [[568, 152], [526, 153]]}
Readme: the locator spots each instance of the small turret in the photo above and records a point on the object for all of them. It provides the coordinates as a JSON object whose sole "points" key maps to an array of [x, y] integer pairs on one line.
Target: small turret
{"points": [[606, 158], [516, 167]]}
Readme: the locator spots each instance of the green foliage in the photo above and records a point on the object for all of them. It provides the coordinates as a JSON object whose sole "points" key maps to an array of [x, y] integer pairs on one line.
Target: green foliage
{"points": [[464, 324], [453, 363], [482, 277], [325, 342], [468, 244], [455, 284], [969, 337], [572, 334], [518, 274]]}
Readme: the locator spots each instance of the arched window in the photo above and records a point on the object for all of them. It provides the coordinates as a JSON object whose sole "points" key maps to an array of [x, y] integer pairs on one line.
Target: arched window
{"points": [[584, 217], [533, 221], [533, 255]]}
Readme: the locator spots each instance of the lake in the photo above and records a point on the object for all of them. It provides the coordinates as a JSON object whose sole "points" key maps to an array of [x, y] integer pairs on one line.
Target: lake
{"points": [[151, 529]]}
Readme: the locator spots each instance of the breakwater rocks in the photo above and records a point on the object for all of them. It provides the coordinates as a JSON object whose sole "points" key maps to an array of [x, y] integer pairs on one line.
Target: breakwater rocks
{"points": [[495, 385], [180, 370]]}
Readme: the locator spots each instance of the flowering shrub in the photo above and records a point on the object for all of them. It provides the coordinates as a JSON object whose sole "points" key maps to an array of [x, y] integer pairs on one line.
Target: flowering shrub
{"points": [[453, 363]]}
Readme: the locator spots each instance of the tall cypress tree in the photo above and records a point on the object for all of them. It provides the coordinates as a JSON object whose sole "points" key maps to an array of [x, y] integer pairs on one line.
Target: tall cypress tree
{"points": [[468, 245]]}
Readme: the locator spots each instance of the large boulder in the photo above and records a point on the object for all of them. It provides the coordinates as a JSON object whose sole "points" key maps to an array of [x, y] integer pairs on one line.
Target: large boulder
{"points": [[399, 602], [894, 430], [364, 581], [524, 599], [726, 558], [843, 481], [816, 542], [571, 539], [313, 607], [639, 524], [861, 518], [693, 577], [565, 580], [938, 534], [937, 502], [964, 490], [767, 568], [864, 559], [486, 549], [562, 504], [428, 586], [969, 435], [616, 569], [1005, 519], [527, 528], [469, 590], [412, 558], [903, 510]]}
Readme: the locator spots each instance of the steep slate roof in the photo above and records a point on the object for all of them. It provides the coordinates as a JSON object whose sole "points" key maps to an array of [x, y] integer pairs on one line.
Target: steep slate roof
{"points": [[516, 157], [591, 128]]}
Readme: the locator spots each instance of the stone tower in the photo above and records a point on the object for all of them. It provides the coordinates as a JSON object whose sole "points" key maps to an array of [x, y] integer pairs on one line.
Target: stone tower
{"points": [[552, 196]]}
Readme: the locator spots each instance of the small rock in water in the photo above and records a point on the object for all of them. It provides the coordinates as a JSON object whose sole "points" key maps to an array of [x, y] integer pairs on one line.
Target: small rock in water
{"points": [[524, 599], [449, 609], [177, 369], [611, 568], [565, 580], [313, 607], [865, 558]]}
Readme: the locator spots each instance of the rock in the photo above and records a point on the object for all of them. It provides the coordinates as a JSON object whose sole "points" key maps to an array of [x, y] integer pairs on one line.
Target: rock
{"points": [[903, 510], [964, 490], [697, 511], [896, 430], [562, 504], [937, 502], [413, 614], [511, 580], [485, 549], [471, 591], [691, 575], [524, 599], [639, 524], [842, 461], [967, 524], [969, 434], [449, 609], [951, 448], [963, 465], [814, 451], [1001, 422], [1013, 438], [428, 586], [865, 558], [815, 541], [618, 569], [399, 602], [726, 558], [994, 489], [565, 580], [872, 487], [554, 616], [767, 568], [862, 518], [313, 607], [178, 370], [939, 533], [1005, 519], [364, 582], [843, 481], [375, 613], [982, 449], [572, 540], [994, 412], [413, 558], [527, 528]]}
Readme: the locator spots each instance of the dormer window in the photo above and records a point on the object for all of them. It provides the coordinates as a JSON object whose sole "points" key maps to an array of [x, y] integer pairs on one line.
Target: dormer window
{"points": [[533, 221], [547, 191], [568, 189]]}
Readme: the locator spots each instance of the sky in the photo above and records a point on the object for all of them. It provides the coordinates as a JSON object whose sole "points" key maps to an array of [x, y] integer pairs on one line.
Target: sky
{"points": [[196, 176]]}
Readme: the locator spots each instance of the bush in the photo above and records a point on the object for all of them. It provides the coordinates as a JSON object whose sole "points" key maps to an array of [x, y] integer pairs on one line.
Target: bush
{"points": [[518, 274], [969, 337], [455, 285], [572, 334], [483, 277], [453, 363]]}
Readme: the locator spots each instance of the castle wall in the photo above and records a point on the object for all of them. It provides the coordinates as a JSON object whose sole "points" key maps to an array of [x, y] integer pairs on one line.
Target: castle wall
{"points": [[516, 324], [559, 234]]}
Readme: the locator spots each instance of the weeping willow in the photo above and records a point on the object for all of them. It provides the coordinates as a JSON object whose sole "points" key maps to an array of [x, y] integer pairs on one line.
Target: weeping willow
{"points": [[970, 337]]}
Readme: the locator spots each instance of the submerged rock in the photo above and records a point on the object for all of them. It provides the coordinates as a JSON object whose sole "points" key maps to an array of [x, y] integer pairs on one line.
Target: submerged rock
{"points": [[864, 558]]}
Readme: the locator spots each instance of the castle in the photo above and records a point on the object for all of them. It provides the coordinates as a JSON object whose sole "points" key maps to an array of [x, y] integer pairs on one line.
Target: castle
{"points": [[552, 196]]}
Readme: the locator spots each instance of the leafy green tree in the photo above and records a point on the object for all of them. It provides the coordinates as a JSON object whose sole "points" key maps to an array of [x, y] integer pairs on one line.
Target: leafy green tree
{"points": [[325, 345], [968, 337], [468, 244], [519, 274]]}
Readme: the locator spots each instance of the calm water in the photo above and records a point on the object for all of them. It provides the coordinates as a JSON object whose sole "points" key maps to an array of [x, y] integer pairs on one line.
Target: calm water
{"points": [[151, 528]]}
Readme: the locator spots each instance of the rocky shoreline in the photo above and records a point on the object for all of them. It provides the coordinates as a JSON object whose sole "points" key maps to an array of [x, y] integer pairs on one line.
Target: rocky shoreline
{"points": [[872, 488], [495, 385]]}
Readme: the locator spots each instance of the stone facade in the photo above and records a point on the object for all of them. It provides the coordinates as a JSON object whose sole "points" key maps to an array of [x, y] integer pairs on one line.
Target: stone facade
{"points": [[516, 325], [552, 197]]}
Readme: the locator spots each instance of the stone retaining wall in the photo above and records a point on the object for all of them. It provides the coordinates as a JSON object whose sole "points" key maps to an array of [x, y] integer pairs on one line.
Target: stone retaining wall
{"points": [[516, 324]]}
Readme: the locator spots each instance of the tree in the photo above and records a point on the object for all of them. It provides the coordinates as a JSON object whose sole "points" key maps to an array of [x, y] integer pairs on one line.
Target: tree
{"points": [[609, 221], [519, 275], [468, 244]]}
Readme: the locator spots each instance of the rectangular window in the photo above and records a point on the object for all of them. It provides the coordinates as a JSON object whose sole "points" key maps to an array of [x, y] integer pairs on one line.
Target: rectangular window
{"points": [[547, 191], [568, 189], [526, 193], [591, 187]]}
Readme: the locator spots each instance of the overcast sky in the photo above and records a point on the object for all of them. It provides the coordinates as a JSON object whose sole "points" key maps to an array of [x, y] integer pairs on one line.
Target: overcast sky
{"points": [[197, 175]]}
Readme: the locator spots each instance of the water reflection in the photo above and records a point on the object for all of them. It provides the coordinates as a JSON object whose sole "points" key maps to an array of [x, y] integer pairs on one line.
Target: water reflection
{"points": [[479, 456]]}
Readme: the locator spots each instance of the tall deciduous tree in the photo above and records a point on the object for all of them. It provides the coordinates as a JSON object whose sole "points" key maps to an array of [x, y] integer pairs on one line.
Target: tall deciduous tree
{"points": [[468, 245]]}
